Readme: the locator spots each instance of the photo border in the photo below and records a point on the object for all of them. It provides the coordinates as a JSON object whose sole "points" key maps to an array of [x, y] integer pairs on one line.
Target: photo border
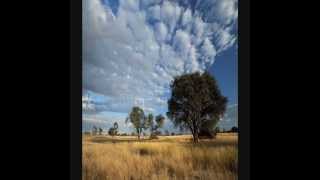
{"points": [[244, 90], [75, 89]]}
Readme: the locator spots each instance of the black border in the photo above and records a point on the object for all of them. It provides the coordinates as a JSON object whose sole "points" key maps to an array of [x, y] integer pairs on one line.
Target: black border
{"points": [[76, 89], [244, 89]]}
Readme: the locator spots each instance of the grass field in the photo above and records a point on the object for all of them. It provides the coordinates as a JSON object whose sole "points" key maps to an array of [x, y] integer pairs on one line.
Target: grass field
{"points": [[169, 157]]}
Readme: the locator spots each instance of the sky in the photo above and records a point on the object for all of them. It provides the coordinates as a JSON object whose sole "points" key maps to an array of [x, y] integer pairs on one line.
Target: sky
{"points": [[225, 70], [132, 50]]}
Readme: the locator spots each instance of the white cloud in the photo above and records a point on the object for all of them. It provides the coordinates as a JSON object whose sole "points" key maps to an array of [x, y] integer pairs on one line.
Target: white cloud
{"points": [[136, 52], [186, 17], [182, 42], [161, 32], [227, 10]]}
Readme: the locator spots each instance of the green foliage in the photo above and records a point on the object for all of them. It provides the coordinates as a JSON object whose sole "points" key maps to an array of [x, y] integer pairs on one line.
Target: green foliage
{"points": [[153, 136], [158, 133], [100, 131], [115, 125], [138, 120], [160, 121], [196, 102], [113, 130], [234, 129], [208, 130], [149, 122]]}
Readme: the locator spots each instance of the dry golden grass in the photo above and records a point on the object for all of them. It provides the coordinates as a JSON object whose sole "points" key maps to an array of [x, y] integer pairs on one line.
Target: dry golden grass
{"points": [[169, 157]]}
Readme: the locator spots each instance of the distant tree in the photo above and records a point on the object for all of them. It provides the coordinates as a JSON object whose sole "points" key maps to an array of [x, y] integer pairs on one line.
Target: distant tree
{"points": [[195, 100], [159, 121], [234, 129], [158, 133], [207, 129], [115, 126], [94, 130], [167, 133], [138, 120], [150, 123], [113, 130], [172, 134], [100, 131]]}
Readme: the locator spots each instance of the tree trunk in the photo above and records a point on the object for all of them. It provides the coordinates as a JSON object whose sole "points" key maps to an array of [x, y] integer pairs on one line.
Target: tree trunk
{"points": [[195, 137]]}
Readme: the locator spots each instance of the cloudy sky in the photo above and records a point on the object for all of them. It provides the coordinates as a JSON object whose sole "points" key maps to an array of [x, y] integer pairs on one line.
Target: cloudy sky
{"points": [[132, 50]]}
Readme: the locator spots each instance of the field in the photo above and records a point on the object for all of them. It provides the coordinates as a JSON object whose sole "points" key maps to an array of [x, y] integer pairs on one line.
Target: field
{"points": [[169, 157]]}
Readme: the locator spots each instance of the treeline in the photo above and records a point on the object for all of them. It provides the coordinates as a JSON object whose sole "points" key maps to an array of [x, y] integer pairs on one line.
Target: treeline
{"points": [[140, 121], [234, 129], [113, 131]]}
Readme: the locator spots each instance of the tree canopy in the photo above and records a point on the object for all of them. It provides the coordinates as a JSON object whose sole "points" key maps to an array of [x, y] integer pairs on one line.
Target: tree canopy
{"points": [[138, 120], [113, 130], [195, 101]]}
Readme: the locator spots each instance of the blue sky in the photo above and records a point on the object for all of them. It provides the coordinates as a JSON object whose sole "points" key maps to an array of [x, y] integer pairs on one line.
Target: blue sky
{"points": [[132, 50], [225, 70]]}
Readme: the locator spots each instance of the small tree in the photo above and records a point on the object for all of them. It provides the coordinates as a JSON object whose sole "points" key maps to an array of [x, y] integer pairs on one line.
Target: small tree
{"points": [[234, 129], [138, 120], [167, 133], [158, 133], [160, 121], [100, 131], [150, 123], [155, 126], [115, 126], [195, 100], [113, 130]]}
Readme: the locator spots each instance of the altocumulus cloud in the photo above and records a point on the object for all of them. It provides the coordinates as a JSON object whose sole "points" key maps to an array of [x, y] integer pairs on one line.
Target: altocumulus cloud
{"points": [[132, 49]]}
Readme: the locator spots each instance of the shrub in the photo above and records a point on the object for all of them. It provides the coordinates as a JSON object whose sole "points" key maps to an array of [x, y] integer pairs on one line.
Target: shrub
{"points": [[154, 136]]}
